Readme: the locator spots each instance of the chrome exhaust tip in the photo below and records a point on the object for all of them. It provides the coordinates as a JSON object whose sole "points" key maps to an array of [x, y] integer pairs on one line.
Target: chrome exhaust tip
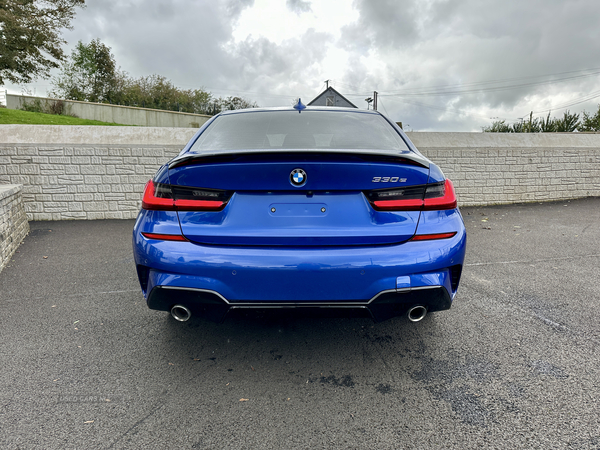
{"points": [[181, 313], [417, 313]]}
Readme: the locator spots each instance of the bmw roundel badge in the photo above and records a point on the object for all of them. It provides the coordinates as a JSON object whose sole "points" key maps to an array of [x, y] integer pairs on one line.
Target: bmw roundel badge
{"points": [[298, 177]]}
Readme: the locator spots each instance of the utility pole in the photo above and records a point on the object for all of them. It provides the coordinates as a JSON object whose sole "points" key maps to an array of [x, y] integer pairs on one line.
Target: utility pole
{"points": [[327, 84], [374, 100]]}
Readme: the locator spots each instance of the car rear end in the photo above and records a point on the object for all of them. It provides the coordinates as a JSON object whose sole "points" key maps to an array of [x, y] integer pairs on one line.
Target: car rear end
{"points": [[327, 208]]}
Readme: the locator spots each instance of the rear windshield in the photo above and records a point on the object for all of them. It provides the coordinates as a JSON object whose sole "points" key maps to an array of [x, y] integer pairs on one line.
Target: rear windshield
{"points": [[292, 130]]}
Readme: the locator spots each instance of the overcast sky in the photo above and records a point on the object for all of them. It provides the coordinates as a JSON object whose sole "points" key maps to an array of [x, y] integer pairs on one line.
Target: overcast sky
{"points": [[440, 65]]}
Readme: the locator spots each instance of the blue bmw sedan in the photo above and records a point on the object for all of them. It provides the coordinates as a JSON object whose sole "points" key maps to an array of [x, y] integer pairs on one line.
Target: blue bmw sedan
{"points": [[300, 207]]}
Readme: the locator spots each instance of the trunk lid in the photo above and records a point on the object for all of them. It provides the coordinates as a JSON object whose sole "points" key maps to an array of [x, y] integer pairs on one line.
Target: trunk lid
{"points": [[326, 207]]}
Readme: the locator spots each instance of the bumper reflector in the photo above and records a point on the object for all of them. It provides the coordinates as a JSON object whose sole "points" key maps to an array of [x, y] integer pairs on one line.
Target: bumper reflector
{"points": [[164, 237], [432, 237]]}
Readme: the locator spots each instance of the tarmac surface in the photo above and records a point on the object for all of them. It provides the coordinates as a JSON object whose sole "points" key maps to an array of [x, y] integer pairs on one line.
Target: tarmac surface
{"points": [[513, 364]]}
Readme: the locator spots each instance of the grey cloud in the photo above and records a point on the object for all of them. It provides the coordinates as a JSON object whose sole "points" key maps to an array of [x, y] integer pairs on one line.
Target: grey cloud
{"points": [[178, 39], [540, 36], [191, 44], [269, 67], [419, 44], [298, 6], [235, 7], [382, 23], [465, 41]]}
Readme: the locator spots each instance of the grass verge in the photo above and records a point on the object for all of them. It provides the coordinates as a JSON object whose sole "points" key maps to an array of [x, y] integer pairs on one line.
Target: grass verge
{"points": [[16, 116]]}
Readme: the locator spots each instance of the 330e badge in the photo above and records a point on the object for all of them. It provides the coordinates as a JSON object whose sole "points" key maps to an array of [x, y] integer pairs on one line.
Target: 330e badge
{"points": [[388, 180]]}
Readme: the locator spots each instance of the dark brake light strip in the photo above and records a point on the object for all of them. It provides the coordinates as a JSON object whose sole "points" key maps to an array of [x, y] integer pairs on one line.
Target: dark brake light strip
{"points": [[164, 237], [432, 237]]}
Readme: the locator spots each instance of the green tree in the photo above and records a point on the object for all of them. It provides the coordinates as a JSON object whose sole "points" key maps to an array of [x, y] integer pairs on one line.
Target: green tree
{"points": [[90, 74], [548, 125], [499, 126], [532, 125], [199, 101], [518, 127], [568, 123], [158, 92], [30, 37], [590, 122], [231, 103]]}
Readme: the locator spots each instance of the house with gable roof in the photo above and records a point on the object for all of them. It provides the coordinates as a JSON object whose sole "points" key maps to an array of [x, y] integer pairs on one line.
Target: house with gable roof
{"points": [[331, 97]]}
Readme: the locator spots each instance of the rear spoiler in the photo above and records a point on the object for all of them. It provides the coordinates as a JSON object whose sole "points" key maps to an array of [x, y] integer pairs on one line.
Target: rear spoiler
{"points": [[402, 156]]}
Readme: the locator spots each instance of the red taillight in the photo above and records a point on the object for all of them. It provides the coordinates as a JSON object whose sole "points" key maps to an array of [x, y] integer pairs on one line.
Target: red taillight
{"points": [[428, 197], [446, 201], [432, 237], [164, 197], [164, 237], [151, 201]]}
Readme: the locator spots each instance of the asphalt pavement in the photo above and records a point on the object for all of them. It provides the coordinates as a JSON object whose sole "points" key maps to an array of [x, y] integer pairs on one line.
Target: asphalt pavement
{"points": [[513, 364]]}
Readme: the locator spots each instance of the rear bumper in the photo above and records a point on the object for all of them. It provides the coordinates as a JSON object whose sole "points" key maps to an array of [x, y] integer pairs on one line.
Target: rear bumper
{"points": [[213, 306], [381, 281]]}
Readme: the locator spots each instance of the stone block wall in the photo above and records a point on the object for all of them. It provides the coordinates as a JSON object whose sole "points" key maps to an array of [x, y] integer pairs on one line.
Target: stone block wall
{"points": [[497, 168], [13, 222], [82, 182], [100, 172], [84, 172]]}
